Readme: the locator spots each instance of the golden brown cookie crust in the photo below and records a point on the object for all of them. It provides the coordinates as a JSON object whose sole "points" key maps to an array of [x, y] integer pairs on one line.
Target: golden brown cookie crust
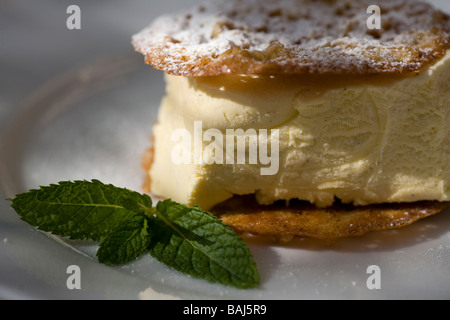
{"points": [[295, 37], [301, 219]]}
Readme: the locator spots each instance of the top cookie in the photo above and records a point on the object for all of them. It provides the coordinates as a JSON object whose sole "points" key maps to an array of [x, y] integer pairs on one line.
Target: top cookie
{"points": [[295, 37]]}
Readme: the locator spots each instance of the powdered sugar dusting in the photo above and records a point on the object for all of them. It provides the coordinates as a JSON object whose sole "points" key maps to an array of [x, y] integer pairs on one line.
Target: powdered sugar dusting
{"points": [[295, 36]]}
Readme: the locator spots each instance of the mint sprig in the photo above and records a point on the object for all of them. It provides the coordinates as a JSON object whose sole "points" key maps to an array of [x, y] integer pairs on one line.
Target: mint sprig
{"points": [[126, 225]]}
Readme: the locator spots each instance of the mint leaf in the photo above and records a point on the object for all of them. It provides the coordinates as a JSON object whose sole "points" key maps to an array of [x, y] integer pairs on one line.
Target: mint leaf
{"points": [[195, 242], [79, 210], [124, 222], [129, 241]]}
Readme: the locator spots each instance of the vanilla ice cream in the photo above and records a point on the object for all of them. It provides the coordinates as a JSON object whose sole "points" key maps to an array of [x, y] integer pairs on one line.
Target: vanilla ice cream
{"points": [[363, 140]]}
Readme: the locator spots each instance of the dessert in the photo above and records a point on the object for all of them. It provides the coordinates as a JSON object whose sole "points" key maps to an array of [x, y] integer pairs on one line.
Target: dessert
{"points": [[350, 119]]}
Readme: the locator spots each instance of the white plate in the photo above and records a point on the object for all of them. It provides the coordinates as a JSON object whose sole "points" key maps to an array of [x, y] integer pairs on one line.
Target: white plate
{"points": [[95, 122]]}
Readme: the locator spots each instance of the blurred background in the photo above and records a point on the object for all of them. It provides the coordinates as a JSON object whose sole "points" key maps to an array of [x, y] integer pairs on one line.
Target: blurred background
{"points": [[36, 45]]}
